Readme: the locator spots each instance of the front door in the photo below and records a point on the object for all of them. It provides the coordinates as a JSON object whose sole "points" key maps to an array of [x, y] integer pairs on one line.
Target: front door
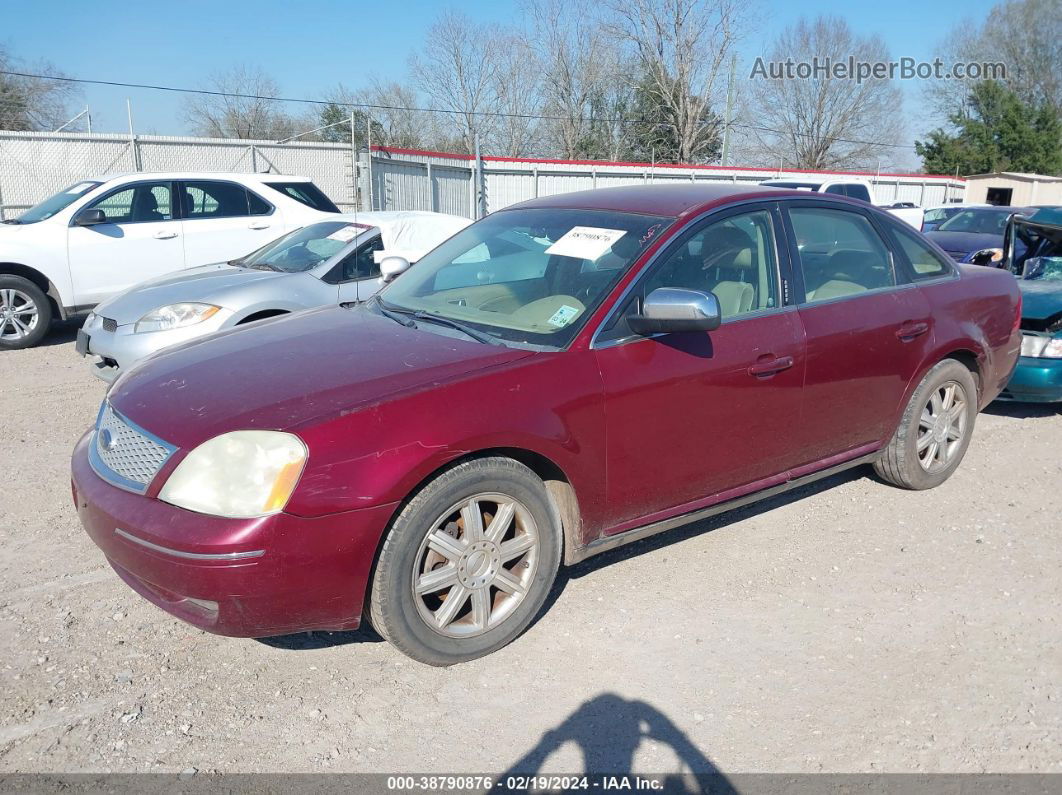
{"points": [[691, 416], [141, 239], [867, 330]]}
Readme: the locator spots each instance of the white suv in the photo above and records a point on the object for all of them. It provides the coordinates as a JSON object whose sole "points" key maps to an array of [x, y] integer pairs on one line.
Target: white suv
{"points": [[99, 237]]}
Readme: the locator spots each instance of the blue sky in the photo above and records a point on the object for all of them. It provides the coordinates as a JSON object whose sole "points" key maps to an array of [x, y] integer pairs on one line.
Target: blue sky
{"points": [[310, 46]]}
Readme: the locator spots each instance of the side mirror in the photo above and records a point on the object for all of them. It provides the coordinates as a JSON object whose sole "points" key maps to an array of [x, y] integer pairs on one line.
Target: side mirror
{"points": [[90, 217], [391, 267], [673, 309]]}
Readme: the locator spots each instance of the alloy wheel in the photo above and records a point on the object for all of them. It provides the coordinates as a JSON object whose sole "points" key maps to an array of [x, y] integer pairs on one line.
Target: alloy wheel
{"points": [[942, 426], [19, 314], [475, 565]]}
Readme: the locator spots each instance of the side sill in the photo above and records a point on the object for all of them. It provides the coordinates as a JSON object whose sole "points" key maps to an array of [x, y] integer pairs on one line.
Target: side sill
{"points": [[606, 543]]}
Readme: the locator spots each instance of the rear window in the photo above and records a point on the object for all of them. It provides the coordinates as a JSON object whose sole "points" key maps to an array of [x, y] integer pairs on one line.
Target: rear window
{"points": [[306, 193]]}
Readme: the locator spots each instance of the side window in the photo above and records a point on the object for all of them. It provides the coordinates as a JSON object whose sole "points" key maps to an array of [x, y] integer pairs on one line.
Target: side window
{"points": [[841, 254], [214, 200], [858, 191], [361, 264], [258, 205], [925, 262], [137, 204], [733, 258]]}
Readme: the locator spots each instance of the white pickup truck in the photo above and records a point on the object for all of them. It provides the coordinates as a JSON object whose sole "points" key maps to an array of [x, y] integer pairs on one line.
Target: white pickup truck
{"points": [[853, 189], [101, 236]]}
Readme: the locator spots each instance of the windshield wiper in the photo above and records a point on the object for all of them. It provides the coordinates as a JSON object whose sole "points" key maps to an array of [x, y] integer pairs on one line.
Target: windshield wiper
{"points": [[408, 322], [445, 321]]}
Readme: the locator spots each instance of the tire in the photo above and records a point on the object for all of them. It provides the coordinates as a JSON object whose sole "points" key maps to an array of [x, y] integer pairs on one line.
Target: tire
{"points": [[924, 452], [494, 597], [25, 313]]}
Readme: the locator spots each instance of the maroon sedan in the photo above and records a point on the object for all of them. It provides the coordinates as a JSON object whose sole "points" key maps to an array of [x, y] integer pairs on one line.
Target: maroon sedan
{"points": [[560, 378]]}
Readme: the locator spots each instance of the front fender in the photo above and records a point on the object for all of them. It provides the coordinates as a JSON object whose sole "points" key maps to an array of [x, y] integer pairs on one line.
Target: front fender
{"points": [[548, 404]]}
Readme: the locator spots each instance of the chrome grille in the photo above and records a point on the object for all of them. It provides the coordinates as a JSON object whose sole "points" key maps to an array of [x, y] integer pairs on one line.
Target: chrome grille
{"points": [[126, 451]]}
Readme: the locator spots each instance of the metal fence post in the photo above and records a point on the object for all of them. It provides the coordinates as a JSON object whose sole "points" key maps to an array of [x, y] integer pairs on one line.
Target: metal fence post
{"points": [[1, 205], [134, 149], [431, 188]]}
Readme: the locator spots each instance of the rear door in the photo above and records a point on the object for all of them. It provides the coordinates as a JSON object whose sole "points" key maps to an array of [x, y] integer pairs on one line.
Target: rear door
{"points": [[224, 220], [141, 240], [868, 328], [690, 416]]}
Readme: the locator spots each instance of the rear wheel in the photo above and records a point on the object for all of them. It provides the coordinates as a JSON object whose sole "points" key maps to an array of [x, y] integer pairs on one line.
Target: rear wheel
{"points": [[467, 564], [25, 313], [935, 430]]}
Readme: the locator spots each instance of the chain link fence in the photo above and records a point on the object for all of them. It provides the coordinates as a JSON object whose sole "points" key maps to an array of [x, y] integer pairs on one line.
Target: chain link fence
{"points": [[34, 165]]}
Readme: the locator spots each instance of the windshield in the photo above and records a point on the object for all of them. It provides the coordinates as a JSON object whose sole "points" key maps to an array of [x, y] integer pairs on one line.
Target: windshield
{"points": [[54, 204], [528, 276], [304, 248], [985, 222]]}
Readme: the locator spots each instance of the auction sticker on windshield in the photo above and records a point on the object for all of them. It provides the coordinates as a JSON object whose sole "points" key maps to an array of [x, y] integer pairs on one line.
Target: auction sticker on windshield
{"points": [[585, 242], [345, 233]]}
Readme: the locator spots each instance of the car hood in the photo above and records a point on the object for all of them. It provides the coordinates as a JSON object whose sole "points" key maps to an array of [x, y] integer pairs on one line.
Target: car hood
{"points": [[206, 284], [965, 242], [1040, 300], [289, 371]]}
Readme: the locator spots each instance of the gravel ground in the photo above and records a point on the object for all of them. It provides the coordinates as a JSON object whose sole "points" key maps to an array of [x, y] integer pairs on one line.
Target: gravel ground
{"points": [[845, 627]]}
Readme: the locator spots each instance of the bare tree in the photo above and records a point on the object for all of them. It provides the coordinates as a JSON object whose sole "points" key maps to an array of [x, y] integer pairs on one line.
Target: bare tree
{"points": [[29, 103], [403, 125], [243, 108], [826, 122], [1027, 36], [457, 69], [580, 74], [682, 47], [517, 77], [965, 43]]}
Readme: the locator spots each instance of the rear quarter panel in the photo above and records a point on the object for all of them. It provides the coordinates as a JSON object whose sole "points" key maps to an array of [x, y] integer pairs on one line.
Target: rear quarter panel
{"points": [[976, 313]]}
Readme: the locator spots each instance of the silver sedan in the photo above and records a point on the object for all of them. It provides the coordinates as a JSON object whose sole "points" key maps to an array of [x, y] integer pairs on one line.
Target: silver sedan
{"points": [[333, 261]]}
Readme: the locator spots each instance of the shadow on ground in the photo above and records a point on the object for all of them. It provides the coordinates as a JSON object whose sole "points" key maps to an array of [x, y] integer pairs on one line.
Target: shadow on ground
{"points": [[608, 730], [61, 333], [318, 640], [1022, 411]]}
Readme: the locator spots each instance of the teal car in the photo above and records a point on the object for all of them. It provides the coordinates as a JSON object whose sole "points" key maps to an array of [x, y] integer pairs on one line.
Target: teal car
{"points": [[1038, 375]]}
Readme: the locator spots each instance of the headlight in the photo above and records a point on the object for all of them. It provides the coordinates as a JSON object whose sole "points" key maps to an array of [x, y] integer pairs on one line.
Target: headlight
{"points": [[1041, 347], [175, 316], [986, 256], [241, 474]]}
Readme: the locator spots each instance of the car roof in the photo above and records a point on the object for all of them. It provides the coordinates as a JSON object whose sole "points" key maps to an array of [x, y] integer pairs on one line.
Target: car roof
{"points": [[665, 200], [233, 176]]}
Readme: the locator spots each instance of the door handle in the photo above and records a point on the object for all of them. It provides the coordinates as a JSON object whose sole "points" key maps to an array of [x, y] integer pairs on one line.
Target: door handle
{"points": [[910, 330], [164, 235], [257, 225], [766, 367]]}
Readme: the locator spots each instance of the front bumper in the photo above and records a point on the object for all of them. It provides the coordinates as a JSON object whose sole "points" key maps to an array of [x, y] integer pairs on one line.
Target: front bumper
{"points": [[1035, 380], [113, 352], [240, 577]]}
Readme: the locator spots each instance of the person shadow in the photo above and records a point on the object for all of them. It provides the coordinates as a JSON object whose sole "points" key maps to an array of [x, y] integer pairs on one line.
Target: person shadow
{"points": [[609, 730]]}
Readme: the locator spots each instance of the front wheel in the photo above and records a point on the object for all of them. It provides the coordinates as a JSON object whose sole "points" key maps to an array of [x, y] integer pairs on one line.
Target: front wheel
{"points": [[467, 564], [935, 429], [25, 313]]}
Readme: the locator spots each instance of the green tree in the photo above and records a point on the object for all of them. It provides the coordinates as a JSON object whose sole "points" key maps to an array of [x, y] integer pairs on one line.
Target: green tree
{"points": [[333, 114], [656, 133], [996, 131]]}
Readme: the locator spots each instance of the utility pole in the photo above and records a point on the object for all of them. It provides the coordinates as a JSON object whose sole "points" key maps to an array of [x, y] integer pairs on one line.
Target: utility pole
{"points": [[729, 111]]}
